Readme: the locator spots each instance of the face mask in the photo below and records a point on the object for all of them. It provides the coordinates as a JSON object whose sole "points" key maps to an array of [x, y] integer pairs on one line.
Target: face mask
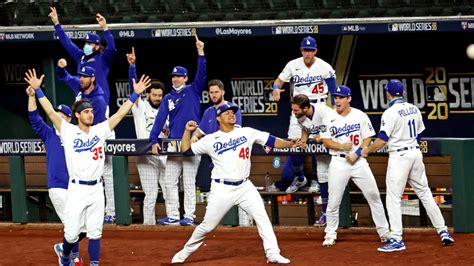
{"points": [[87, 49], [178, 88]]}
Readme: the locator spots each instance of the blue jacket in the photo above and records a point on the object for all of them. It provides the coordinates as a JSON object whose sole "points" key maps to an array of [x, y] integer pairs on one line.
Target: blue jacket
{"points": [[58, 176], [209, 124], [101, 62], [97, 95], [181, 106]]}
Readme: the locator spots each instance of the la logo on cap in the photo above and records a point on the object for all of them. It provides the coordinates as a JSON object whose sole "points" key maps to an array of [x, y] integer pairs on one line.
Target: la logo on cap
{"points": [[175, 70], [308, 42], [338, 89], [83, 69]]}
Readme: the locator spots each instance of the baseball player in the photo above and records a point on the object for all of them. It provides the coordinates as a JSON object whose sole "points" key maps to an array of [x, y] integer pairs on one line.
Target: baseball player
{"points": [[85, 156], [58, 176], [313, 77], [151, 168], [310, 117], [181, 105], [344, 134], [100, 58], [230, 149], [401, 127]]}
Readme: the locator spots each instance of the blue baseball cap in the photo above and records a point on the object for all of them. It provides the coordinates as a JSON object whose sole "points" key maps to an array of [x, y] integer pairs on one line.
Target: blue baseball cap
{"points": [[308, 43], [343, 91], [93, 38], [179, 71], [394, 87], [227, 106], [87, 71], [64, 109]]}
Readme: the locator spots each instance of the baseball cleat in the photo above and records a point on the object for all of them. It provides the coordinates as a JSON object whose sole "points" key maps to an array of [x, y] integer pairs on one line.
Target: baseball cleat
{"points": [[186, 222], [65, 261], [180, 257], [329, 241], [321, 222], [446, 238], [296, 184], [313, 187], [392, 246], [58, 249], [277, 258], [168, 221], [109, 219]]}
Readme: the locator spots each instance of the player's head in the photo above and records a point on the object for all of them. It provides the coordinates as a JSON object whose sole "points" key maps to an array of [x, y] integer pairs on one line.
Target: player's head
{"points": [[308, 49], [83, 112], [92, 44], [154, 93], [216, 91], [300, 105], [86, 77], [226, 114], [342, 98], [64, 112], [394, 88], [179, 76]]}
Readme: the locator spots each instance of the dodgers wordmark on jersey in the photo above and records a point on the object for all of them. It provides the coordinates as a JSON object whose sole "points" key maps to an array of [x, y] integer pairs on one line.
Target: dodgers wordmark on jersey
{"points": [[354, 127], [230, 152], [85, 152], [308, 81], [402, 122]]}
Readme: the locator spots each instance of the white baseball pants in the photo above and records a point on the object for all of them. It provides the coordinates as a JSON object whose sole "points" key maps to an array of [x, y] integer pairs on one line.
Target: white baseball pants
{"points": [[109, 186], [403, 166], [58, 197]]}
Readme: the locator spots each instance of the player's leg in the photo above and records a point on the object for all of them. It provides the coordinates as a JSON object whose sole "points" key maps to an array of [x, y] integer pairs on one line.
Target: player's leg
{"points": [[171, 196], [220, 201], [250, 201], [299, 180], [363, 177], [322, 174], [94, 223], [339, 174], [190, 168], [109, 190], [419, 182], [149, 180]]}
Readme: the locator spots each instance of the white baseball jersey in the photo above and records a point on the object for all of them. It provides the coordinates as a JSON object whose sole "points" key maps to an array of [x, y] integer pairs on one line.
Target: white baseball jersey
{"points": [[312, 125], [354, 127], [308, 81], [402, 122], [85, 153], [144, 116], [230, 152]]}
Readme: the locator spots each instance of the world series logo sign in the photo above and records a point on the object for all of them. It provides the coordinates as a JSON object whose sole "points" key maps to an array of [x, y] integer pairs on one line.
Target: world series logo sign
{"points": [[254, 96]]}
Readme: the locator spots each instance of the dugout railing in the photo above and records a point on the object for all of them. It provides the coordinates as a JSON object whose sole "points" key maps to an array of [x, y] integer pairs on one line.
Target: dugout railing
{"points": [[458, 151]]}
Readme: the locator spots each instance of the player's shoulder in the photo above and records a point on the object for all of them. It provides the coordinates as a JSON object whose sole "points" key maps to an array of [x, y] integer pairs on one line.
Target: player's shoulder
{"points": [[320, 62]]}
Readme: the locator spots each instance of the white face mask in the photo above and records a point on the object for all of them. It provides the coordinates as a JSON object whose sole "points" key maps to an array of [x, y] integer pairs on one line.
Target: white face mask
{"points": [[178, 88], [88, 49]]}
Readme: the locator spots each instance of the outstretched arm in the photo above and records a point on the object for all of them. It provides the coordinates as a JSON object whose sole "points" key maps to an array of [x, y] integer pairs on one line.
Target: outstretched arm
{"points": [[138, 89], [277, 84], [375, 146], [35, 83]]}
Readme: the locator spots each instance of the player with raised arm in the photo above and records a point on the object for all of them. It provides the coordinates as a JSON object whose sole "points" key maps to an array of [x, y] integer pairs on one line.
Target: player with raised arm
{"points": [[401, 128], [85, 156], [230, 149], [344, 134]]}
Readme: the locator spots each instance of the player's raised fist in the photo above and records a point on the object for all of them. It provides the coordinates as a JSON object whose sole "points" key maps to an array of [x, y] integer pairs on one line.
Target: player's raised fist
{"points": [[30, 91], [101, 20], [62, 63], [191, 125]]}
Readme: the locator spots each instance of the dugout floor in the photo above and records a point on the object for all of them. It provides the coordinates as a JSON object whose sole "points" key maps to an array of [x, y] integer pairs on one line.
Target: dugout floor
{"points": [[155, 245]]}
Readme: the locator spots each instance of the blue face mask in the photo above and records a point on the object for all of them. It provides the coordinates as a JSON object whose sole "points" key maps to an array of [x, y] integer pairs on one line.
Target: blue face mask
{"points": [[88, 50]]}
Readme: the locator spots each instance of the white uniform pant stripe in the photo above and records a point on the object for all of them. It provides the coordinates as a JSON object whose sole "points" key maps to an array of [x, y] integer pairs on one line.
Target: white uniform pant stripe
{"points": [[340, 171], [398, 172], [150, 168], [221, 199], [174, 166]]}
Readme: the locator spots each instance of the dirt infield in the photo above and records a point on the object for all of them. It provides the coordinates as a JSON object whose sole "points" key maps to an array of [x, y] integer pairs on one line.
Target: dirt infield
{"points": [[155, 245]]}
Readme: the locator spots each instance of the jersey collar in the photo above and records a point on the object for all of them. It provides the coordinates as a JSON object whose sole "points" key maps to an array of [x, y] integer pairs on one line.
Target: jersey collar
{"points": [[396, 100]]}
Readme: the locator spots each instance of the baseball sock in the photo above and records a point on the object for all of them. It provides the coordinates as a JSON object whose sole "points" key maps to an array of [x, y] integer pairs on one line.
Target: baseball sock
{"points": [[324, 195], [75, 248], [67, 247], [298, 168], [94, 251]]}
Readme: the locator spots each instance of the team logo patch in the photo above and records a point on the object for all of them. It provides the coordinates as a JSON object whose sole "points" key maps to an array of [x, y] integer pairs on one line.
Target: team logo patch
{"points": [[323, 128], [267, 149], [276, 162]]}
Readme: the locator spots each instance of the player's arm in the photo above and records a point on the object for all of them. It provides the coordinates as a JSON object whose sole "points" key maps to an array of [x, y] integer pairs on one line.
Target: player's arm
{"points": [[67, 43], [331, 144], [132, 70], [277, 84], [186, 139], [109, 52], [63, 75], [199, 82], [35, 82], [37, 123], [196, 135], [376, 145], [138, 88], [354, 156]]}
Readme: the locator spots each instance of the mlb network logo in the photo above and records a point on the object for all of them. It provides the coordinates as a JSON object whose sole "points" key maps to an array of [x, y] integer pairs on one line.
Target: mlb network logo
{"points": [[2, 36]]}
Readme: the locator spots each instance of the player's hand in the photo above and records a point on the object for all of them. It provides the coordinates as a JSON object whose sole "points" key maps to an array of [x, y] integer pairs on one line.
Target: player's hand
{"points": [[141, 86], [155, 148], [53, 15], [30, 91], [131, 58], [199, 45], [276, 95], [62, 63], [102, 22], [318, 138], [32, 79], [352, 157], [346, 146], [194, 138], [191, 125], [365, 152]]}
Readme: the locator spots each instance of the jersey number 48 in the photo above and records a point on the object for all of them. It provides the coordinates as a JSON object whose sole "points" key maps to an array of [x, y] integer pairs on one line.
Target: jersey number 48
{"points": [[244, 153]]}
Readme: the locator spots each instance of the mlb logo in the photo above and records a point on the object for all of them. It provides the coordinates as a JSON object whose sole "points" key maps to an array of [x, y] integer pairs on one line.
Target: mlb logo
{"points": [[464, 25], [2, 36], [437, 93]]}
